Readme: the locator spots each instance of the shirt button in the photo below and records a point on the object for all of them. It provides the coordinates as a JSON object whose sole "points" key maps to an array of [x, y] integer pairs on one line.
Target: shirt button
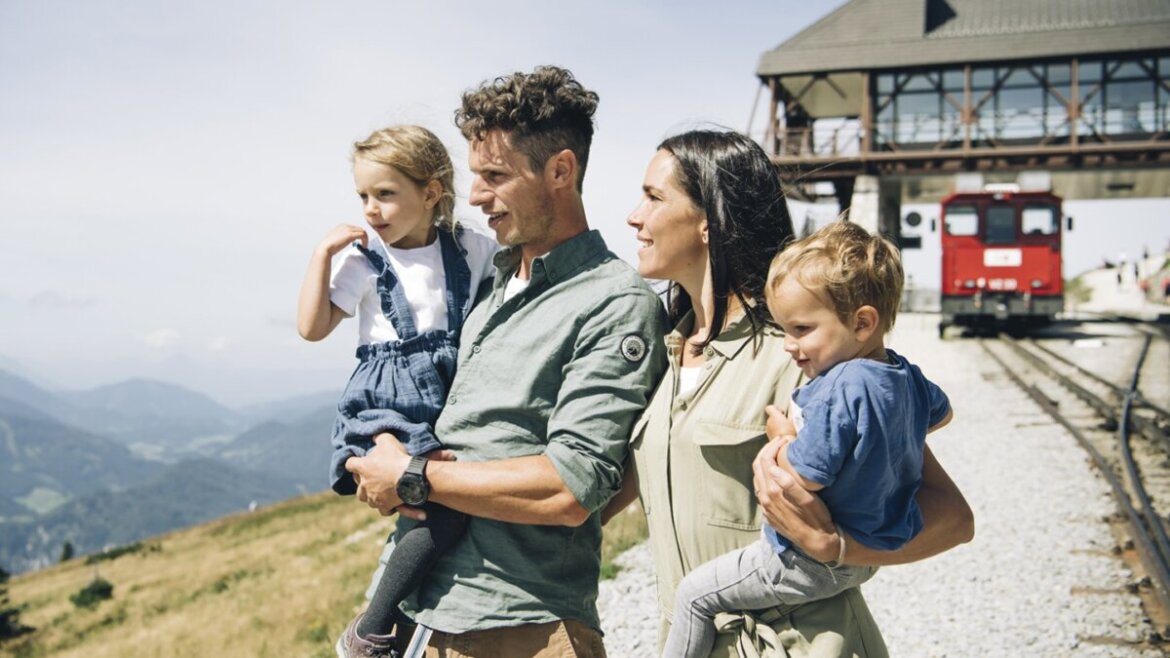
{"points": [[451, 399], [709, 351], [475, 349]]}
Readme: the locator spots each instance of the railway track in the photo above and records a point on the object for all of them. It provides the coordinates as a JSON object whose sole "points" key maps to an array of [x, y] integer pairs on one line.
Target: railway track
{"points": [[1117, 411]]}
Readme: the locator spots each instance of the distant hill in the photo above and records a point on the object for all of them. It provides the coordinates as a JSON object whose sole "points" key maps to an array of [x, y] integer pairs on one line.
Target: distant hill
{"points": [[62, 480], [291, 407], [165, 421], [45, 461], [15, 387], [179, 496], [153, 412], [297, 448]]}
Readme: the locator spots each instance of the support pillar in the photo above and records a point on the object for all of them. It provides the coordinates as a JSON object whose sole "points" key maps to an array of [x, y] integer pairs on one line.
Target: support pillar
{"points": [[865, 204], [890, 208], [876, 204], [843, 191]]}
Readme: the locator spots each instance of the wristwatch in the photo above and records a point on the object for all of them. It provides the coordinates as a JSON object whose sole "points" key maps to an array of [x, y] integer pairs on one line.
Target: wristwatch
{"points": [[413, 487]]}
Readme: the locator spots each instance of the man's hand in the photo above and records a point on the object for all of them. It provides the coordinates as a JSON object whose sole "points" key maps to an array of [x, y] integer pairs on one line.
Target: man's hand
{"points": [[790, 509], [377, 474]]}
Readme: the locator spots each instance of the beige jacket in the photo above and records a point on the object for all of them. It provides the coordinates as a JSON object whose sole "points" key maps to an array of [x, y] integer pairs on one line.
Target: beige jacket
{"points": [[693, 454]]}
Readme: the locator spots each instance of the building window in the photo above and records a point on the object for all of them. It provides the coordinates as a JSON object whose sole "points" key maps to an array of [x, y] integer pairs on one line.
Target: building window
{"points": [[1023, 104]]}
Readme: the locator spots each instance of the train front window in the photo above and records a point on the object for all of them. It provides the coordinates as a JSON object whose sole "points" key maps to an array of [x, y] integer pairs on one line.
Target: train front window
{"points": [[962, 220], [1001, 225], [1039, 220]]}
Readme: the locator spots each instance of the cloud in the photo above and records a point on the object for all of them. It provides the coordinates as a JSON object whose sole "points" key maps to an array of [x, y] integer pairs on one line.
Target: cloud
{"points": [[51, 299], [162, 338], [219, 344]]}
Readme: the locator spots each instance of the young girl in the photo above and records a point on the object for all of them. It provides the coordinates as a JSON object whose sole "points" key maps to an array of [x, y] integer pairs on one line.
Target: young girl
{"points": [[411, 286]]}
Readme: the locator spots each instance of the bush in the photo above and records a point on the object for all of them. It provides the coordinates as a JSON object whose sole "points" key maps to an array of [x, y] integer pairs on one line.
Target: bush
{"points": [[94, 593], [10, 625], [119, 551]]}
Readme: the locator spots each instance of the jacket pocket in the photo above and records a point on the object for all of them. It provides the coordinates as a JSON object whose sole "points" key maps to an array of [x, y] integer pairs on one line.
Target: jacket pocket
{"points": [[726, 482]]}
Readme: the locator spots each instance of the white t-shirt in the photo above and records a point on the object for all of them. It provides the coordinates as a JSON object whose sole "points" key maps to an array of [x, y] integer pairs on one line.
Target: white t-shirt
{"points": [[353, 285], [515, 286], [688, 378]]}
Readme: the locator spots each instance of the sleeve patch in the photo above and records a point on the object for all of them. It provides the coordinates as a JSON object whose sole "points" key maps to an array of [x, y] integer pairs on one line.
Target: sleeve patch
{"points": [[633, 348]]}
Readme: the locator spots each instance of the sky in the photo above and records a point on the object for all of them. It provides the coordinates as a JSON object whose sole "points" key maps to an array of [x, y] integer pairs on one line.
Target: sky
{"points": [[166, 168]]}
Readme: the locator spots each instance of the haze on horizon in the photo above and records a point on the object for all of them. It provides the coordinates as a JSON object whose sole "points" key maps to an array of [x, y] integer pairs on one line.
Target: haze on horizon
{"points": [[166, 168]]}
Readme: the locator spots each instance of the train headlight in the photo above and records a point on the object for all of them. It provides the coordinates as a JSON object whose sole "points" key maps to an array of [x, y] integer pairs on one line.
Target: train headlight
{"points": [[1037, 283], [969, 283]]}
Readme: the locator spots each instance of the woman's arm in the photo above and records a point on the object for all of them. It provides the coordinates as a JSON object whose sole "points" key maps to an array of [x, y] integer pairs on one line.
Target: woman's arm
{"points": [[801, 516], [624, 496], [317, 317], [947, 522]]}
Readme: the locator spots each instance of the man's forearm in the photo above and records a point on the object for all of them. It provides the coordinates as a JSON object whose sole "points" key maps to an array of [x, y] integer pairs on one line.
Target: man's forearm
{"points": [[519, 490]]}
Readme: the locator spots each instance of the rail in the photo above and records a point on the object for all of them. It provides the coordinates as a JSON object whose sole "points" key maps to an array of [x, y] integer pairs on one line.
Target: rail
{"points": [[1148, 530]]}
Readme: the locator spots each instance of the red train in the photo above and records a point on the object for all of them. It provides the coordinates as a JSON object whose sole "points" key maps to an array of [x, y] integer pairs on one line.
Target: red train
{"points": [[1001, 260]]}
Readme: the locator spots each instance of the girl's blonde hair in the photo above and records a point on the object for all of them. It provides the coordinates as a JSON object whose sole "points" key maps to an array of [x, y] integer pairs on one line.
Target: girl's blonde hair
{"points": [[421, 157], [847, 268]]}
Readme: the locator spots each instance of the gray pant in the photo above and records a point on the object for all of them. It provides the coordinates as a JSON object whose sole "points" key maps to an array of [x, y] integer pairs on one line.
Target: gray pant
{"points": [[751, 578]]}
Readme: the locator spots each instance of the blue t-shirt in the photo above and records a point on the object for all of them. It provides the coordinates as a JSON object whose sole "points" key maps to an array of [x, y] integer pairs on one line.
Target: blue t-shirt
{"points": [[863, 435]]}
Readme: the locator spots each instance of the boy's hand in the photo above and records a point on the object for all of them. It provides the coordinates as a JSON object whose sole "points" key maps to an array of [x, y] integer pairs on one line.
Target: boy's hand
{"points": [[779, 425], [341, 237]]}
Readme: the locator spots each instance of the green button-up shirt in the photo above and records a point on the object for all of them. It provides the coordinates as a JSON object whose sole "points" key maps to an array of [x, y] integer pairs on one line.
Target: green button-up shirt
{"points": [[562, 369]]}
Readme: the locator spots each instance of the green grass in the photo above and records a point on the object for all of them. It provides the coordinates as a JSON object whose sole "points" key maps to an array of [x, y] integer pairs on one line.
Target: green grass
{"points": [[283, 580], [624, 531], [1077, 291]]}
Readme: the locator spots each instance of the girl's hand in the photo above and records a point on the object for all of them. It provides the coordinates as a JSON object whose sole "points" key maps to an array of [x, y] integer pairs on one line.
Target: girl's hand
{"points": [[341, 237]]}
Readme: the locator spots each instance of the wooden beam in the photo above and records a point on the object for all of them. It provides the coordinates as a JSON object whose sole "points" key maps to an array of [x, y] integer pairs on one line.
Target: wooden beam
{"points": [[1074, 103], [866, 141]]}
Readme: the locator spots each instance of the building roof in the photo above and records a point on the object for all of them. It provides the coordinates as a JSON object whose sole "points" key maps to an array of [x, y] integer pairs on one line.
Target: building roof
{"points": [[881, 34]]}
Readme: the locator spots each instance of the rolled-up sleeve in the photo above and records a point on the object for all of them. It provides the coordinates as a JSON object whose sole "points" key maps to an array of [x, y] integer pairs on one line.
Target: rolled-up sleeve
{"points": [[617, 360]]}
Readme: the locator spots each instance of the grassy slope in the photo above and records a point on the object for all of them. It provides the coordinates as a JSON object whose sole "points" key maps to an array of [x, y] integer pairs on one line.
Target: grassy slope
{"points": [[281, 581]]}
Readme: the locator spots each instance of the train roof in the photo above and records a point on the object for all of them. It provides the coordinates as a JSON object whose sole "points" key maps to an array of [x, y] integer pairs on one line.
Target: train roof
{"points": [[977, 195]]}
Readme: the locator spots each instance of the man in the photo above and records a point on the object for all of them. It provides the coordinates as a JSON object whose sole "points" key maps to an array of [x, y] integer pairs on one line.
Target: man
{"points": [[555, 364]]}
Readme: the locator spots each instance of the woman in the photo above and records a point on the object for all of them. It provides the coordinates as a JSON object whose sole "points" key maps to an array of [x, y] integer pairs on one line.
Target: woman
{"points": [[712, 217]]}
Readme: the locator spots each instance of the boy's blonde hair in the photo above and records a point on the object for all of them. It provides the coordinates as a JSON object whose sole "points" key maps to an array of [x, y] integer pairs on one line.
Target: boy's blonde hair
{"points": [[846, 267], [421, 157]]}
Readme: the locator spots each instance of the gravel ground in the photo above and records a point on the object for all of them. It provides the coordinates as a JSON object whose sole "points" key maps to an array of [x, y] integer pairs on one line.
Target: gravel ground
{"points": [[1039, 579]]}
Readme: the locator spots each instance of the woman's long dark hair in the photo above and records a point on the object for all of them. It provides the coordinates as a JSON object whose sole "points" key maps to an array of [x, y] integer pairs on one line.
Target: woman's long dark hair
{"points": [[730, 178]]}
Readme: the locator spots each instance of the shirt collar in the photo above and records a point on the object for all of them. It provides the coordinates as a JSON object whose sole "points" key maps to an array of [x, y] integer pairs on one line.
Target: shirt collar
{"points": [[558, 264], [728, 344]]}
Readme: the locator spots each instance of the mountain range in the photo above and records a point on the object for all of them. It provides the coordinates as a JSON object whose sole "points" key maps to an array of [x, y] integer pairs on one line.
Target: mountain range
{"points": [[114, 464]]}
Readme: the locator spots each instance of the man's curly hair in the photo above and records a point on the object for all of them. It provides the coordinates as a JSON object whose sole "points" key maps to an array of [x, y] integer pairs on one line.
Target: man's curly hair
{"points": [[542, 113]]}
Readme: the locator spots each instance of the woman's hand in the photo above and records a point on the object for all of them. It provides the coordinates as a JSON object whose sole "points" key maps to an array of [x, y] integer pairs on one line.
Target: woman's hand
{"points": [[791, 510]]}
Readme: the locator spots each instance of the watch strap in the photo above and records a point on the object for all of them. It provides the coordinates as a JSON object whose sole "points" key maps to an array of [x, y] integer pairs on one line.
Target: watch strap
{"points": [[417, 466]]}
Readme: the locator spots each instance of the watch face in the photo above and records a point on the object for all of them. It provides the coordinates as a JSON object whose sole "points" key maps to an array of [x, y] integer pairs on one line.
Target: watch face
{"points": [[412, 490]]}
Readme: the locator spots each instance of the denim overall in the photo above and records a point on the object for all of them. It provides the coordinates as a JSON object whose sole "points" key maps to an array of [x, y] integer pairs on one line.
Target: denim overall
{"points": [[400, 386]]}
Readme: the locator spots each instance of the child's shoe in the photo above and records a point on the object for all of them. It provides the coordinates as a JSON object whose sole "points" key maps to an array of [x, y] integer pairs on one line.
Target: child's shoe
{"points": [[352, 645]]}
